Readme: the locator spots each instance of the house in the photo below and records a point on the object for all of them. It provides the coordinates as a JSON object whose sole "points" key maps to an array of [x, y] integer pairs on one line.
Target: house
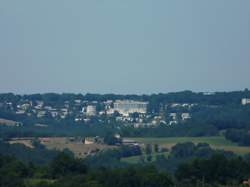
{"points": [[88, 141], [20, 112], [185, 116], [92, 140]]}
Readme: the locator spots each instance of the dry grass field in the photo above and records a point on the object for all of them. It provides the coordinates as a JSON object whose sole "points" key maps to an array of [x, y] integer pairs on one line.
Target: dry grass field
{"points": [[77, 147], [80, 149], [27, 143], [8, 122]]}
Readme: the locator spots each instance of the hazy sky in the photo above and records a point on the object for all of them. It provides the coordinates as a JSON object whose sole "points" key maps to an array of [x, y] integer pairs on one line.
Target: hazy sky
{"points": [[124, 46]]}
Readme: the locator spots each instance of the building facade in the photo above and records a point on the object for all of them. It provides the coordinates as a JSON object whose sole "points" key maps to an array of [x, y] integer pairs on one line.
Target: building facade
{"points": [[91, 110], [245, 101], [126, 107]]}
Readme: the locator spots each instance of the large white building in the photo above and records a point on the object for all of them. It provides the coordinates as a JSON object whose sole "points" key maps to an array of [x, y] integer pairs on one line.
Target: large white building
{"points": [[91, 110], [245, 101], [126, 107]]}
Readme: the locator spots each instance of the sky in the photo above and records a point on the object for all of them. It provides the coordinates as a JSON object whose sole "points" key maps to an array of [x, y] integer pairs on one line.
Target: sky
{"points": [[124, 46]]}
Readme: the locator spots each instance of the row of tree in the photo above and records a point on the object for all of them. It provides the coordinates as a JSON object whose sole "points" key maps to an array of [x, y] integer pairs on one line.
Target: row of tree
{"points": [[240, 136], [67, 171]]}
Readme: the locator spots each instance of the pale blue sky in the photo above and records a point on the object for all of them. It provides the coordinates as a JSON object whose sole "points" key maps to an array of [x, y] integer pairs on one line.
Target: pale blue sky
{"points": [[124, 46]]}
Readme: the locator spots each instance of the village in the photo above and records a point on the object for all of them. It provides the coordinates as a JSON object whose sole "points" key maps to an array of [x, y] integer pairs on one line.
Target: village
{"points": [[129, 112]]}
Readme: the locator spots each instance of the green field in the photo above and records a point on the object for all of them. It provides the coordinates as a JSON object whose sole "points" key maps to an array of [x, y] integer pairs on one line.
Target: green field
{"points": [[216, 142], [33, 182]]}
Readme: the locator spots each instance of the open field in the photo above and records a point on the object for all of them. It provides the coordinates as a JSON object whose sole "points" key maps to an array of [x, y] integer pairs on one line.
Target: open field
{"points": [[216, 142], [78, 148], [60, 143], [8, 122], [27, 143], [81, 150], [33, 181]]}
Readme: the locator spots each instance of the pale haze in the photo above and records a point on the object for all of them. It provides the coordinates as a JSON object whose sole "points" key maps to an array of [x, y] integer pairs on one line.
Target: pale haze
{"points": [[125, 47]]}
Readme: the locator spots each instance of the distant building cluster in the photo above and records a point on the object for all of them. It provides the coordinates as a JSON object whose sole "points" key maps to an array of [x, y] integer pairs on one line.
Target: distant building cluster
{"points": [[135, 113], [127, 112]]}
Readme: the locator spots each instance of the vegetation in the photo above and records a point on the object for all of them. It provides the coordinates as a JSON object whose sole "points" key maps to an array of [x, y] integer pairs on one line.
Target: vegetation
{"points": [[111, 139], [39, 154], [216, 142], [215, 170], [210, 114], [190, 161], [242, 137], [198, 165]]}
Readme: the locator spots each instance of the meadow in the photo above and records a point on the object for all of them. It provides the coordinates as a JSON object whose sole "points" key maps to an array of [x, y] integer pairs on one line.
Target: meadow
{"points": [[216, 142]]}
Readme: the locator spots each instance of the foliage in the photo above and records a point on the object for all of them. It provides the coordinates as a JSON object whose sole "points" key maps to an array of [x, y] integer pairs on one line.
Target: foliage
{"points": [[110, 139], [242, 137], [38, 155], [64, 164], [215, 170]]}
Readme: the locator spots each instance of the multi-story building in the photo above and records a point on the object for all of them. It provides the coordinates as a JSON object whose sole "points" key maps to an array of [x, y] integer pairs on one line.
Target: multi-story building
{"points": [[91, 110], [245, 101], [126, 107]]}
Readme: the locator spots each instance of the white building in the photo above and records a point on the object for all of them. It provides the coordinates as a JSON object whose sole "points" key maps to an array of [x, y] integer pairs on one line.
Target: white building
{"points": [[91, 110], [126, 107], [185, 116], [245, 101]]}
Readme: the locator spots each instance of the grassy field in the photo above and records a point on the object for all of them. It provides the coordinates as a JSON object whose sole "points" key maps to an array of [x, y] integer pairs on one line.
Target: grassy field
{"points": [[33, 182], [81, 150], [216, 142]]}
